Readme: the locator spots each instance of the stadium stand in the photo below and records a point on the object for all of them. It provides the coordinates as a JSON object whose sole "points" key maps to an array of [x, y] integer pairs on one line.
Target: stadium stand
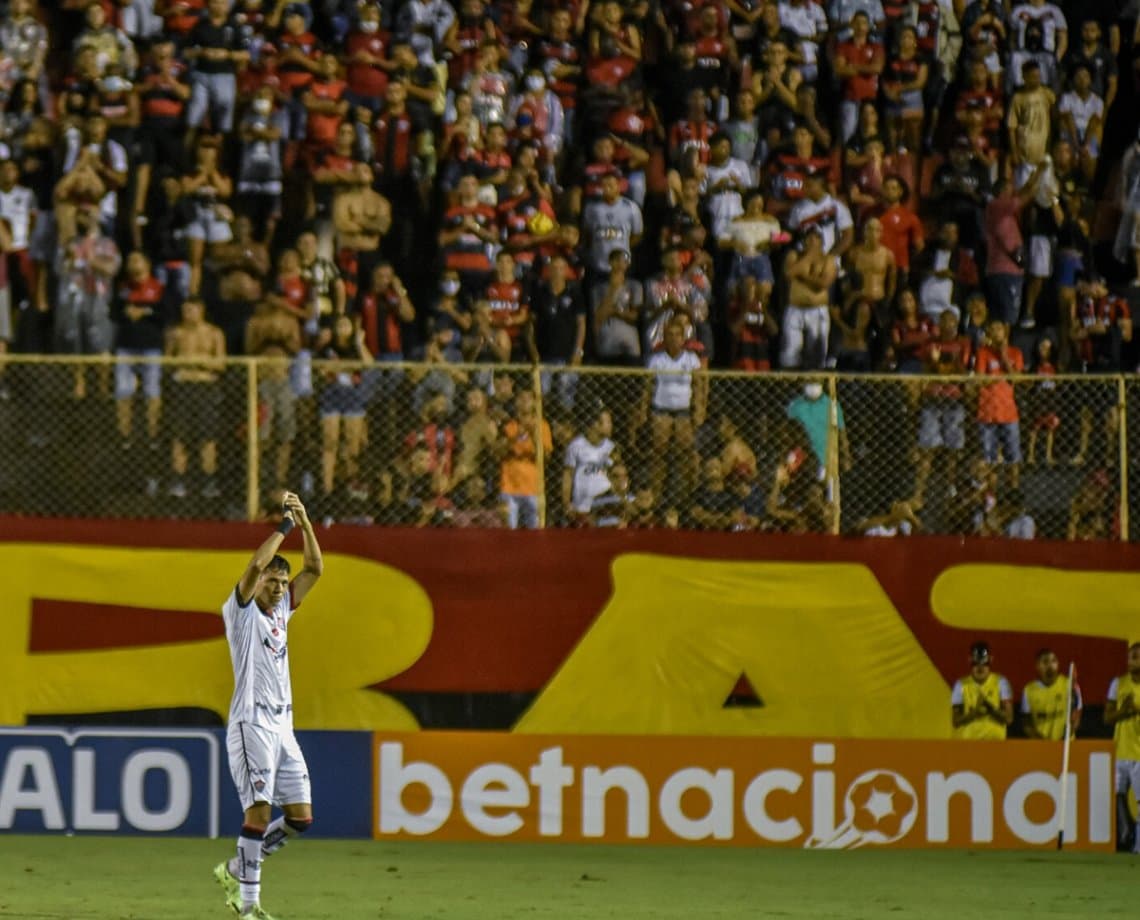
{"points": [[926, 214]]}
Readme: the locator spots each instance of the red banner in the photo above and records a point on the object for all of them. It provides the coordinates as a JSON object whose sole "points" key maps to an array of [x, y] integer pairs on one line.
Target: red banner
{"points": [[483, 612]]}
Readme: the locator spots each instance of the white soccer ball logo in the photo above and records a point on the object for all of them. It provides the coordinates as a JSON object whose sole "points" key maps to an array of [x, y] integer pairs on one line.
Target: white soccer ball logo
{"points": [[880, 807]]}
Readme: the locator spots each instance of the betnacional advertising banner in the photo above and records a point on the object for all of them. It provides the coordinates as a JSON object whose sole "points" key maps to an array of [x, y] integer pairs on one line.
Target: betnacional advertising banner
{"points": [[842, 794], [558, 632]]}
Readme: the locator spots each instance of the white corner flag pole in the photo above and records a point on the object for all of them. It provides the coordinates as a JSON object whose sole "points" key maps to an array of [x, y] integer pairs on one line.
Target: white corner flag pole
{"points": [[1063, 808]]}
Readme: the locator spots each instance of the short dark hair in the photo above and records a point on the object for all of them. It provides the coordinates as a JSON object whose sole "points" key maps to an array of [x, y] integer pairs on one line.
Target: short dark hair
{"points": [[1042, 652], [895, 177], [279, 564]]}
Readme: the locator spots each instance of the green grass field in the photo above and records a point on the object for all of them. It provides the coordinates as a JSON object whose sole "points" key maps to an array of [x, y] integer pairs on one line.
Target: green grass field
{"points": [[167, 879]]}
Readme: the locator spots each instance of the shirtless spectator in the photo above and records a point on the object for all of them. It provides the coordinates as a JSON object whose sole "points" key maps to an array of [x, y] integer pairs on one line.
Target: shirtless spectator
{"points": [[195, 398], [361, 217], [873, 265], [810, 273], [477, 437], [273, 335]]}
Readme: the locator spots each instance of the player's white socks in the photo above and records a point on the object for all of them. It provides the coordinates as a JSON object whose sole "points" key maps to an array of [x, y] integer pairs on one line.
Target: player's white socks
{"points": [[249, 865], [279, 832]]}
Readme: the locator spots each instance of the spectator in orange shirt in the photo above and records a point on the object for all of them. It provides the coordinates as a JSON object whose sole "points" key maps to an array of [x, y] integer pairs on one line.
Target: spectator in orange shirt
{"points": [[997, 408], [519, 470]]}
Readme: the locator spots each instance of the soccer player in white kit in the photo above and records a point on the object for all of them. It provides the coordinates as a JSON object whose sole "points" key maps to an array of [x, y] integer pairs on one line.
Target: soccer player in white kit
{"points": [[266, 762]]}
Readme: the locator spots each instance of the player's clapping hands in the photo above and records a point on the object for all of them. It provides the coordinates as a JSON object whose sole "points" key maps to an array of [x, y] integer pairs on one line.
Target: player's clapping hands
{"points": [[294, 508]]}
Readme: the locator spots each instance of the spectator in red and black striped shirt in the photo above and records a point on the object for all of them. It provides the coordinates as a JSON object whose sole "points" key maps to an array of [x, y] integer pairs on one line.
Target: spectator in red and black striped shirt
{"points": [[162, 95], [468, 229]]}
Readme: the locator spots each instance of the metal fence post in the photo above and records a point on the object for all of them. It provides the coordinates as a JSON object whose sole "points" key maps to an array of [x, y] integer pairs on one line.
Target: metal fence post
{"points": [[1122, 409], [252, 446], [539, 449], [833, 452]]}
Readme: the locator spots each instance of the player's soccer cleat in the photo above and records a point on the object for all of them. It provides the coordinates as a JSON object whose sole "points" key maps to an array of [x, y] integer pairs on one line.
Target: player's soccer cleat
{"points": [[257, 912], [229, 885]]}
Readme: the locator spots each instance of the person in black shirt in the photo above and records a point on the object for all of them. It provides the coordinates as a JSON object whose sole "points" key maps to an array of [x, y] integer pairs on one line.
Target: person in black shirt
{"points": [[215, 47], [558, 333], [140, 322], [169, 214], [959, 190], [714, 506], [1090, 52]]}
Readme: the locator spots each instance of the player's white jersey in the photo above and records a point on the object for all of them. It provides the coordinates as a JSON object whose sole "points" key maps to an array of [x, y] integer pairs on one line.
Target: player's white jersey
{"points": [[263, 692]]}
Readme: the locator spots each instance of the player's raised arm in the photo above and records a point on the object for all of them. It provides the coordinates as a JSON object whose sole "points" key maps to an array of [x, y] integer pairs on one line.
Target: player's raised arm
{"points": [[313, 564], [248, 583]]}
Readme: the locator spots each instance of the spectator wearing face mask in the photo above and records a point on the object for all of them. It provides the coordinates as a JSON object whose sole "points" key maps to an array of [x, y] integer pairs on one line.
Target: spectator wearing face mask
{"points": [[811, 411], [450, 319]]}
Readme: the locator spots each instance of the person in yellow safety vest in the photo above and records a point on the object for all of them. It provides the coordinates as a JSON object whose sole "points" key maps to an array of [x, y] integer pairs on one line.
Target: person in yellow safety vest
{"points": [[1043, 701], [1121, 711], [981, 703]]}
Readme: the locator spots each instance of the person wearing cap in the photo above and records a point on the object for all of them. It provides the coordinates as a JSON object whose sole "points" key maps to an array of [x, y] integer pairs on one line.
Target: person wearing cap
{"points": [[1122, 715], [981, 703], [1044, 700]]}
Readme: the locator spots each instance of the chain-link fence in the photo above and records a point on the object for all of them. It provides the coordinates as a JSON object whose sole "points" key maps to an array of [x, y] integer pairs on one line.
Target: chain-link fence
{"points": [[494, 446], [1014, 456], [148, 438]]}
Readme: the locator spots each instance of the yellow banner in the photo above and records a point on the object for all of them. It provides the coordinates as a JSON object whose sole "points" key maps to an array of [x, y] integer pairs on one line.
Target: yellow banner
{"points": [[840, 794]]}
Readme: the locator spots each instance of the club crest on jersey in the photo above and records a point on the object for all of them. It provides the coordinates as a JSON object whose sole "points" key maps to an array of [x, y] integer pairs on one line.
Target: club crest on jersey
{"points": [[277, 653], [259, 784]]}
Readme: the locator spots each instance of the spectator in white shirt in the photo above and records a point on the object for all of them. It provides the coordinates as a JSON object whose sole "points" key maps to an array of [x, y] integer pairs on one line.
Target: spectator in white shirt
{"points": [[819, 209], [1082, 118], [726, 179], [678, 402]]}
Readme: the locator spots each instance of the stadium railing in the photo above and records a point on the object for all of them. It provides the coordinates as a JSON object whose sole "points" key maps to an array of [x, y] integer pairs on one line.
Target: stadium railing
{"points": [[417, 444]]}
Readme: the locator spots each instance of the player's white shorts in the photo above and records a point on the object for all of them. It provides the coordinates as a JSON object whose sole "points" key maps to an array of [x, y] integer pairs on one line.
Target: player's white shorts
{"points": [[1128, 777], [267, 765]]}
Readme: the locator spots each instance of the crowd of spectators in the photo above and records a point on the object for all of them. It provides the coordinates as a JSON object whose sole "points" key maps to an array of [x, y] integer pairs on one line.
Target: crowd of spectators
{"points": [[903, 188]]}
